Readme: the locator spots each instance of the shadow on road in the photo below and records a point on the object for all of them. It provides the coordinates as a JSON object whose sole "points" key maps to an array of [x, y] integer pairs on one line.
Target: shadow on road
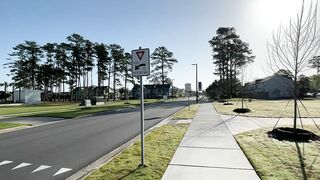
{"points": [[165, 105]]}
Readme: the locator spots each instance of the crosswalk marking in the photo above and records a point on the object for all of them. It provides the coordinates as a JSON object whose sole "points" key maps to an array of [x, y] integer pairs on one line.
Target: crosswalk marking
{"points": [[5, 162], [21, 165], [62, 170], [42, 167]]}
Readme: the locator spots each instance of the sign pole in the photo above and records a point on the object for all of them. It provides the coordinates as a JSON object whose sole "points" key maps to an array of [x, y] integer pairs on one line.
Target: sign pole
{"points": [[141, 67], [142, 121]]}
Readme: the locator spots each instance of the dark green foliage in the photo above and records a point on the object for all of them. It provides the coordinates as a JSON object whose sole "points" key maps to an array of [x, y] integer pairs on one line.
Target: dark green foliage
{"points": [[117, 57], [303, 85], [229, 54], [50, 66], [103, 59], [162, 63], [24, 64], [212, 90]]}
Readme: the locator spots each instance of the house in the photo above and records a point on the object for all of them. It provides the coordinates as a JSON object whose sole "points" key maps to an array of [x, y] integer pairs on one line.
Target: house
{"points": [[151, 91], [91, 92], [5, 97], [271, 87]]}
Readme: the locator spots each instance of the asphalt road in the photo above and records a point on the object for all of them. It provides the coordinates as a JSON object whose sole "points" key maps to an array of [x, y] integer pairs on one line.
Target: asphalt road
{"points": [[56, 151]]}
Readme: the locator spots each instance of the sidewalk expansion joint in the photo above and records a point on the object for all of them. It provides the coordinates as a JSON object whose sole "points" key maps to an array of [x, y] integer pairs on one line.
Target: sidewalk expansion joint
{"points": [[213, 167], [210, 148]]}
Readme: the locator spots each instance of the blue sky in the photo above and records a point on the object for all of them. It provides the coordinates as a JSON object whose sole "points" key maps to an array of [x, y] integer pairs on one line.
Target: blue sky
{"points": [[183, 26]]}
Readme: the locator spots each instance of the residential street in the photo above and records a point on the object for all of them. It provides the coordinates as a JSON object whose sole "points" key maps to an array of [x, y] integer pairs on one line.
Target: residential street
{"points": [[56, 151]]}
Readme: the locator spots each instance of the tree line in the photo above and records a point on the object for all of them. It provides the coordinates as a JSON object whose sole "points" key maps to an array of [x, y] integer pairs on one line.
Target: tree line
{"points": [[53, 66]]}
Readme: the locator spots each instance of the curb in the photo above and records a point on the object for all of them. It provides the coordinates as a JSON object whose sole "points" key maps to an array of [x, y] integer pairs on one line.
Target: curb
{"points": [[88, 170], [2, 131]]}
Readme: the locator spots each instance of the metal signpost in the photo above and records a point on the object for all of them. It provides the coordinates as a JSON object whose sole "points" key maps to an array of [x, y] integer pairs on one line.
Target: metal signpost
{"points": [[141, 67]]}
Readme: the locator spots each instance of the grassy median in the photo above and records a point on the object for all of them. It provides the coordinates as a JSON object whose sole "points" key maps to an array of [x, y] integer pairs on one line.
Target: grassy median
{"points": [[68, 110], [270, 108], [273, 159], [187, 113], [4, 125], [160, 145]]}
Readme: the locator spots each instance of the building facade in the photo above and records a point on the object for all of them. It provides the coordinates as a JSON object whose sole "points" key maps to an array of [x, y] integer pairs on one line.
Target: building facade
{"points": [[271, 87], [151, 91]]}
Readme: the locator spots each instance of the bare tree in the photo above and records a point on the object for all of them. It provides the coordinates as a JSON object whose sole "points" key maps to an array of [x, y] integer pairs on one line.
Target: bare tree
{"points": [[293, 45]]}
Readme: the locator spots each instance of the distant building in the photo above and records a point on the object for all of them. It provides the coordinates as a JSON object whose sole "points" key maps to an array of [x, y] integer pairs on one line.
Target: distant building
{"points": [[27, 96], [271, 87], [91, 92], [5, 96], [151, 91]]}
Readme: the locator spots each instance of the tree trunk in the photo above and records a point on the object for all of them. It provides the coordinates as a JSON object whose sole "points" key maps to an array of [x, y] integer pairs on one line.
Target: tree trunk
{"points": [[5, 92], [125, 86], [162, 78], [13, 86], [63, 81], [109, 79], [114, 81], [295, 104]]}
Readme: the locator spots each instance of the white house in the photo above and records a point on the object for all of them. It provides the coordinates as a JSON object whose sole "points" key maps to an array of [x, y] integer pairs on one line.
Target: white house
{"points": [[271, 87], [27, 96]]}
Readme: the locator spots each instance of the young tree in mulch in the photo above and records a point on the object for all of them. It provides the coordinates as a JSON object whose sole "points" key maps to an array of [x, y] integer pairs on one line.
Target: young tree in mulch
{"points": [[291, 48]]}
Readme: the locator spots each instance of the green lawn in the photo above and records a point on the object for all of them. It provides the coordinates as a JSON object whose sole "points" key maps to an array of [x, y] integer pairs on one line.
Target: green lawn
{"points": [[273, 159], [185, 113], [160, 146], [270, 108], [10, 125], [67, 110], [7, 110]]}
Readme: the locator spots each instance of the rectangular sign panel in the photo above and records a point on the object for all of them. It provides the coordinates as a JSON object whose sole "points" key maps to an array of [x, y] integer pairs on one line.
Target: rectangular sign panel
{"points": [[140, 62], [187, 87], [200, 86]]}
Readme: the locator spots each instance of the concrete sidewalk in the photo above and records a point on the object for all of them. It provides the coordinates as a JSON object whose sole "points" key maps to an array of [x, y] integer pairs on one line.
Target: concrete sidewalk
{"points": [[209, 151]]}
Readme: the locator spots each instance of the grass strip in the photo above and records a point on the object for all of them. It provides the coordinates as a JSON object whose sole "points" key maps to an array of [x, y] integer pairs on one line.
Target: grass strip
{"points": [[68, 110], [273, 159], [4, 125], [270, 108], [160, 145], [185, 113]]}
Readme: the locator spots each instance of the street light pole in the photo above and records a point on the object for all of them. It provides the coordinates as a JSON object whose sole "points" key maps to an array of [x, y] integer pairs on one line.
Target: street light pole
{"points": [[196, 82]]}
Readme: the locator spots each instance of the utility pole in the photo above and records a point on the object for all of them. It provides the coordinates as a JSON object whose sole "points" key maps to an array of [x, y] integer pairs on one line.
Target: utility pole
{"points": [[196, 82]]}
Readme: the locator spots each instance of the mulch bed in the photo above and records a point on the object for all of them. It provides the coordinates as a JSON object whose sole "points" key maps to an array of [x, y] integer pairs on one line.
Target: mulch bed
{"points": [[287, 133]]}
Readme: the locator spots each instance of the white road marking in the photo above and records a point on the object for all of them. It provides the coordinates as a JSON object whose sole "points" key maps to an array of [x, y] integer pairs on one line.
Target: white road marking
{"points": [[62, 170], [5, 162], [21, 165], [42, 167]]}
